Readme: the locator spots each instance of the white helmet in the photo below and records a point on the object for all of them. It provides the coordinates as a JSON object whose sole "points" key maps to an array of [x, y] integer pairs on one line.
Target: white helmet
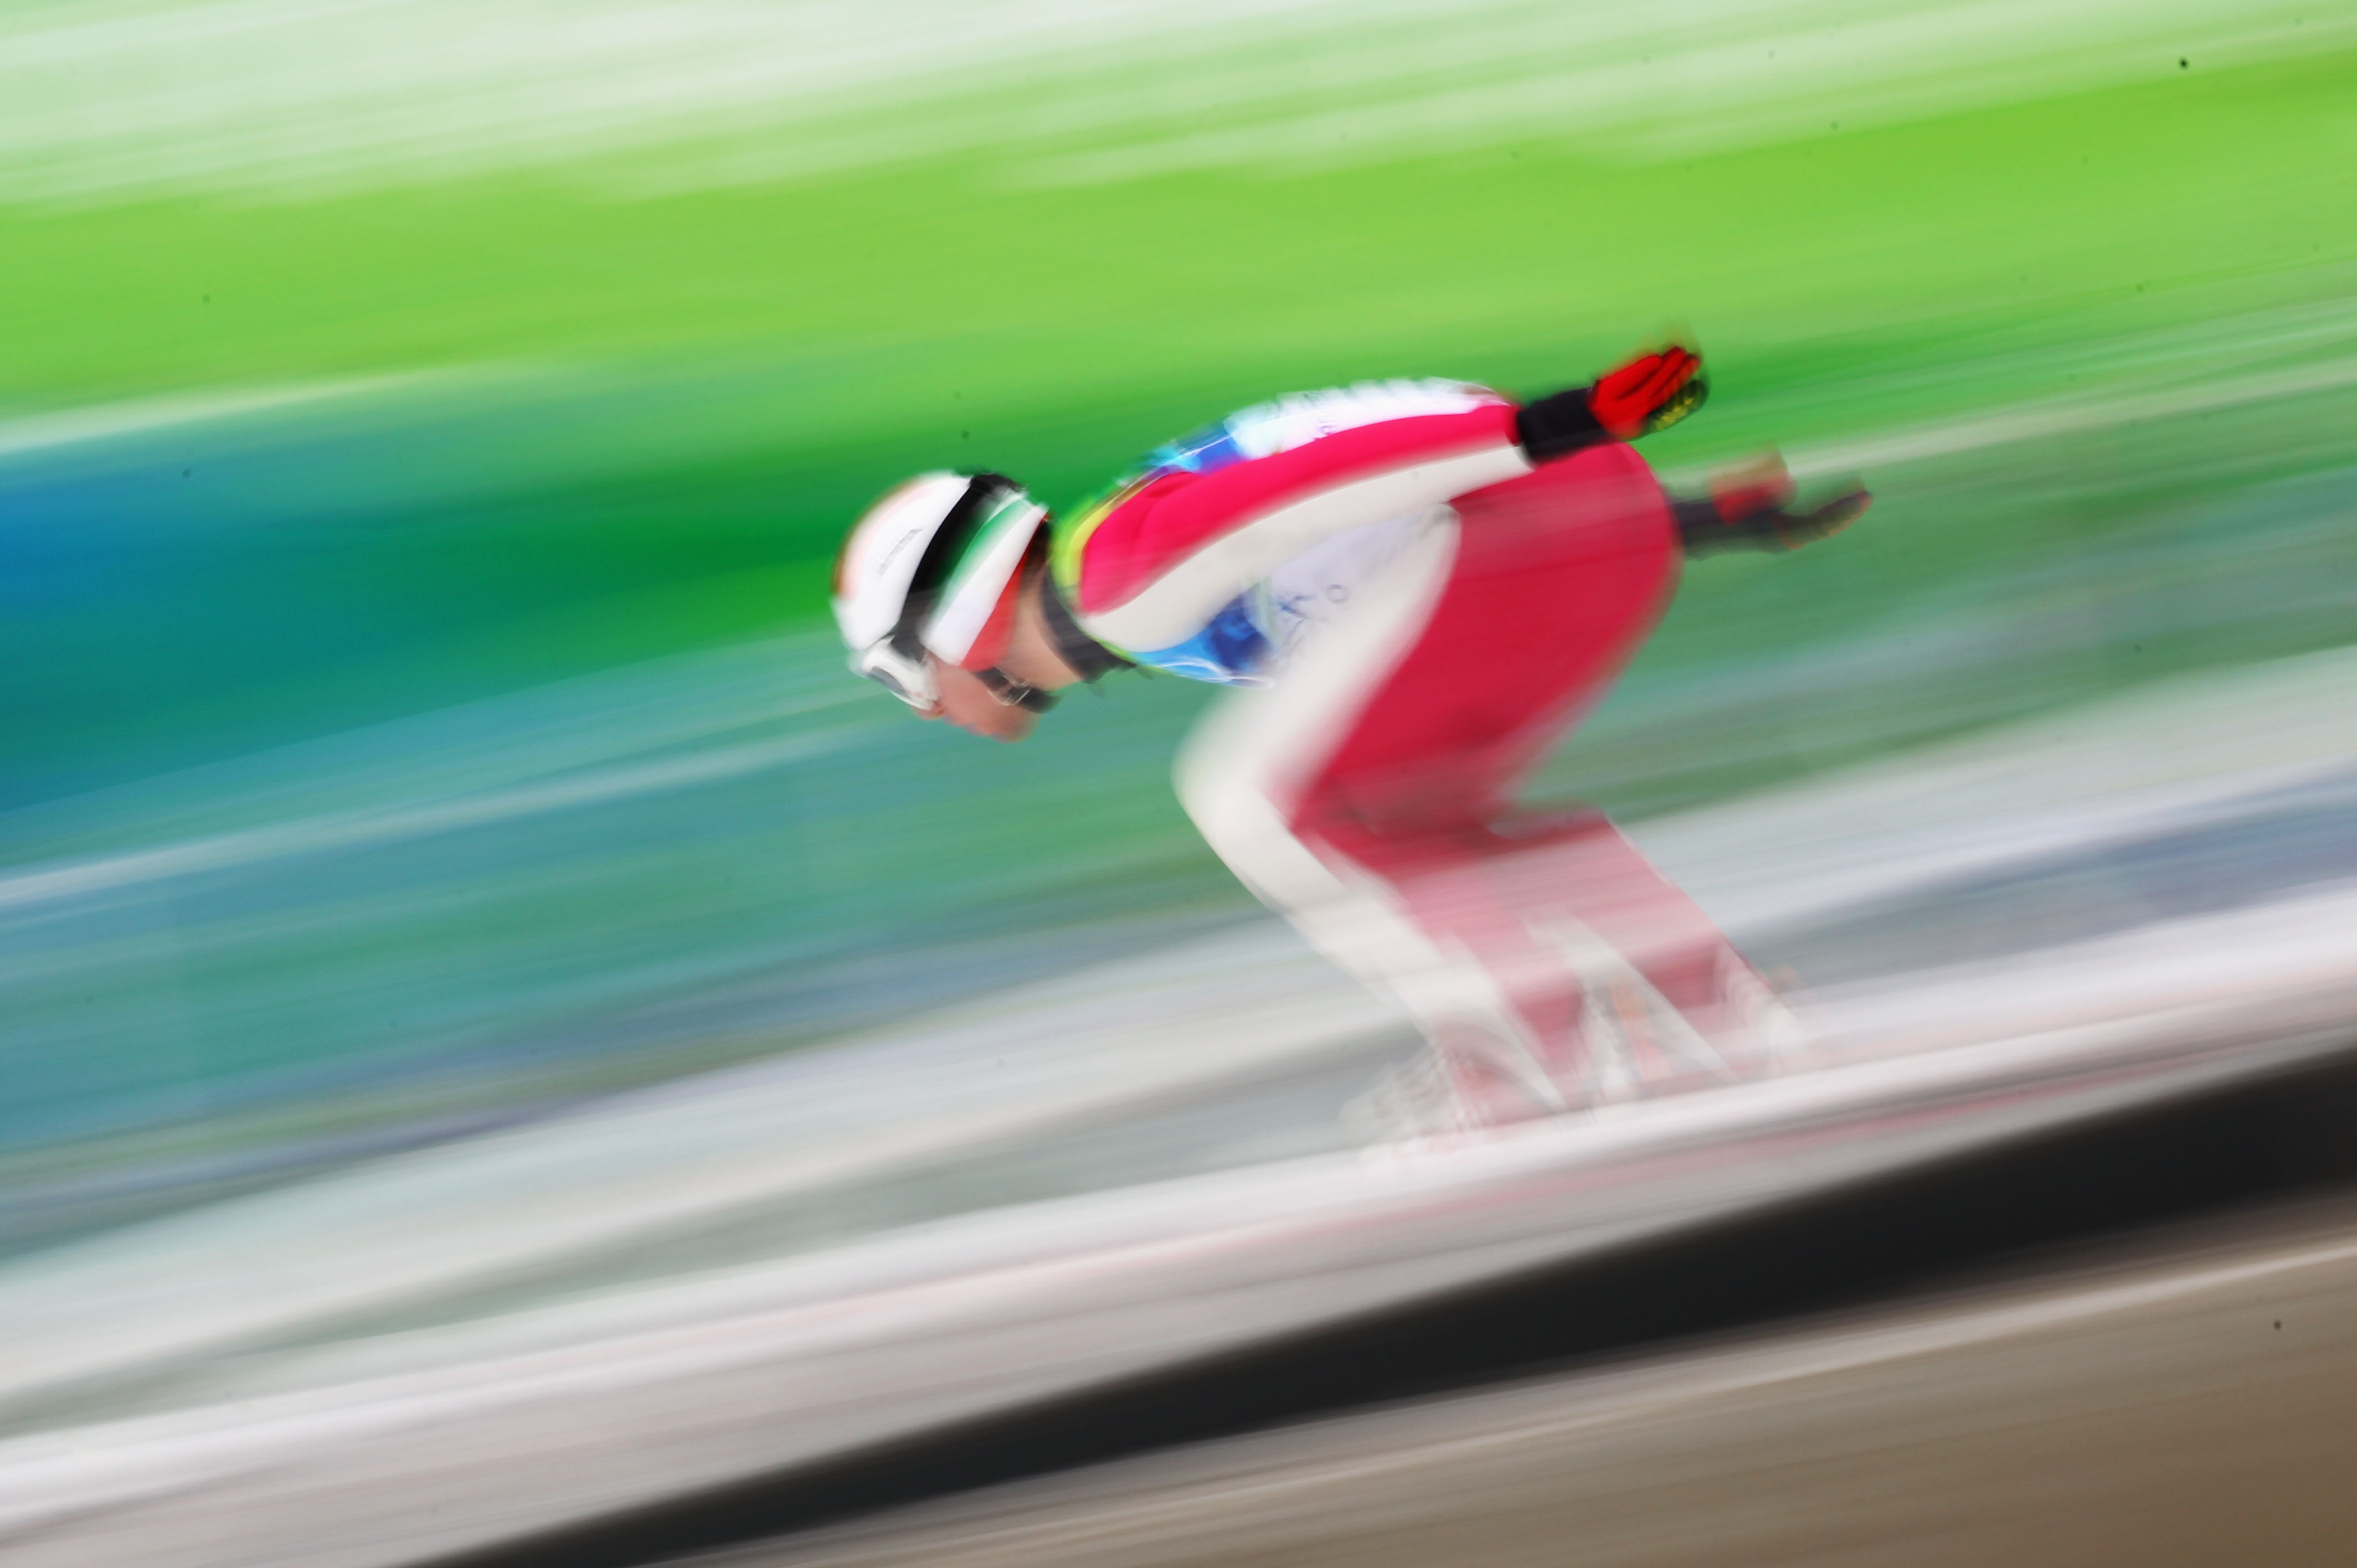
{"points": [[935, 567]]}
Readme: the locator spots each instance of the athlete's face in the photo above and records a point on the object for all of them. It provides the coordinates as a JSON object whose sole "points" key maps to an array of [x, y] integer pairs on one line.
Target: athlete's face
{"points": [[968, 704]]}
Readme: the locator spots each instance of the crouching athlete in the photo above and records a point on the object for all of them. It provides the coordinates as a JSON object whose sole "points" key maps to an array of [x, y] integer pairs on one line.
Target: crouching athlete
{"points": [[1417, 588]]}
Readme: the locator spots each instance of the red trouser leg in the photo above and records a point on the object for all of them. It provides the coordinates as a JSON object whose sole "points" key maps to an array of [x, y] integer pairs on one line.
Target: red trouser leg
{"points": [[1557, 578]]}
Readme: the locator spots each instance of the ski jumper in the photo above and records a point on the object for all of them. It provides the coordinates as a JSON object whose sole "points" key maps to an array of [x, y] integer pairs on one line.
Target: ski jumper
{"points": [[1414, 611]]}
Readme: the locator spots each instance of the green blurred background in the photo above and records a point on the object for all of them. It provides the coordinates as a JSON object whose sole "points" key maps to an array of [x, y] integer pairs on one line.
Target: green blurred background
{"points": [[424, 434]]}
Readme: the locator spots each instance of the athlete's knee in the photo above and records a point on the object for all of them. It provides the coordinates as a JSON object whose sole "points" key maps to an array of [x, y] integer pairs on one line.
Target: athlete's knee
{"points": [[1231, 812]]}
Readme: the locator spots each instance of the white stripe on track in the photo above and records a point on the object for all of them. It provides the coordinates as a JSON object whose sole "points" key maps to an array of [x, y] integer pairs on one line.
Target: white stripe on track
{"points": [[351, 830], [137, 416], [2036, 421]]}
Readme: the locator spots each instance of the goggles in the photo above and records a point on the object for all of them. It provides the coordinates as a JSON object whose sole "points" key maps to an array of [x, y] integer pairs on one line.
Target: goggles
{"points": [[907, 675], [898, 664]]}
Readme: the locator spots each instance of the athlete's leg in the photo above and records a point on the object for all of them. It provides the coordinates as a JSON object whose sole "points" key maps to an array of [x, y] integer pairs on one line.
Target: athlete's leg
{"points": [[1248, 762], [1559, 577], [1603, 975], [1613, 976], [1364, 797]]}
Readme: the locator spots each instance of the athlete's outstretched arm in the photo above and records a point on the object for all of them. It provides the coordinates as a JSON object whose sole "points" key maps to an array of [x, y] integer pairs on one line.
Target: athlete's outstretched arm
{"points": [[1647, 394], [1171, 556], [1181, 550]]}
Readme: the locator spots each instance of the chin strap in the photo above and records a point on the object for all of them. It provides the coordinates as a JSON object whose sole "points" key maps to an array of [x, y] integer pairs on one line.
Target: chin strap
{"points": [[1089, 657], [1014, 693]]}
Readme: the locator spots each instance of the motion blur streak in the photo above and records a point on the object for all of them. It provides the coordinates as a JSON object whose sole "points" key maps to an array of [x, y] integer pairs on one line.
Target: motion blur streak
{"points": [[2028, 1425], [296, 95], [498, 1027], [66, 427]]}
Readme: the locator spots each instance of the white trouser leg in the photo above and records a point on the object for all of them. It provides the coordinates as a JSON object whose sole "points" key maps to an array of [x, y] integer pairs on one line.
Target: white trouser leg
{"points": [[1247, 761]]}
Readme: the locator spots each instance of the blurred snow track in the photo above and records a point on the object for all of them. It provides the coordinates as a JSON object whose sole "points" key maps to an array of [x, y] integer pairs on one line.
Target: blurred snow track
{"points": [[463, 1345], [2179, 1405]]}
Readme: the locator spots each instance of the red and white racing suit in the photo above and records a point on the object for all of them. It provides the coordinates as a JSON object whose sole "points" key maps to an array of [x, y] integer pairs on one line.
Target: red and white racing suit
{"points": [[1415, 611]]}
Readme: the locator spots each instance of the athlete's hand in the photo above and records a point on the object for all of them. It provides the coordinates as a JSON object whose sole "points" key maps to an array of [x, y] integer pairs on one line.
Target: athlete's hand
{"points": [[1650, 392], [1749, 507], [1794, 529], [1655, 389]]}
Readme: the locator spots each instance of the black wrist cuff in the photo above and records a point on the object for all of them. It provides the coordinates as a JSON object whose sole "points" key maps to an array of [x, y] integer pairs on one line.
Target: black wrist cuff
{"points": [[1557, 426]]}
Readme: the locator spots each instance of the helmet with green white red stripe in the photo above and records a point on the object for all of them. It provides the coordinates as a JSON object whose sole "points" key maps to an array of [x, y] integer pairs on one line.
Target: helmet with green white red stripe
{"points": [[935, 567]]}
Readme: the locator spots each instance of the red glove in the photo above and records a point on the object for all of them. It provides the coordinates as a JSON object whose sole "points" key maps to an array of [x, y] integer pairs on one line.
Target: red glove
{"points": [[1649, 393]]}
